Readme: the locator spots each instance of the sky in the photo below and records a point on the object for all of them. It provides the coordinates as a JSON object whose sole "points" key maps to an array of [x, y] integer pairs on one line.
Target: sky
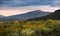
{"points": [[13, 7]]}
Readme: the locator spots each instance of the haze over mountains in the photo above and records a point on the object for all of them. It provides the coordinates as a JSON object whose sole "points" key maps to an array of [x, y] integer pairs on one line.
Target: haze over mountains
{"points": [[29, 15], [2, 16]]}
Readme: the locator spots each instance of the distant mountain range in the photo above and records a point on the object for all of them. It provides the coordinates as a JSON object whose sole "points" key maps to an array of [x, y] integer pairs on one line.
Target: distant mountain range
{"points": [[25, 16], [2, 17], [54, 16]]}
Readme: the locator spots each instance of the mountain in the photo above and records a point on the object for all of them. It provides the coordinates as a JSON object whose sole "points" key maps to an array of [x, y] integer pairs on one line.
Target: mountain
{"points": [[2, 17], [54, 16], [29, 15]]}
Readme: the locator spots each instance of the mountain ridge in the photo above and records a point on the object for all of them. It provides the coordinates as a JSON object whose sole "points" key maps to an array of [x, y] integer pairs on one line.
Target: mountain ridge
{"points": [[54, 16], [29, 15]]}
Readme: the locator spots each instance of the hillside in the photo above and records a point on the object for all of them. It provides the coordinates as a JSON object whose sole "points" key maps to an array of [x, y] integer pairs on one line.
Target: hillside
{"points": [[29, 15], [2, 17], [55, 16]]}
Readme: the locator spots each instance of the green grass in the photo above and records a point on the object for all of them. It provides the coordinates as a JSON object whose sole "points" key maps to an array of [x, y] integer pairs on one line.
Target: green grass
{"points": [[30, 28]]}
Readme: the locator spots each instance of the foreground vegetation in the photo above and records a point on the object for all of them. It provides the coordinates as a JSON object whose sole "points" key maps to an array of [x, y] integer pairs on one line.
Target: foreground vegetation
{"points": [[30, 28]]}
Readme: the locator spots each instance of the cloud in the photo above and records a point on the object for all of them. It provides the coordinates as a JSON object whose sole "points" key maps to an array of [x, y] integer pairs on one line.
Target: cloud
{"points": [[20, 10], [18, 3], [56, 2]]}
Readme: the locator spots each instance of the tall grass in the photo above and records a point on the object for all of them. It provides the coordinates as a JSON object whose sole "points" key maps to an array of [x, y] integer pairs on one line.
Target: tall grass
{"points": [[30, 28]]}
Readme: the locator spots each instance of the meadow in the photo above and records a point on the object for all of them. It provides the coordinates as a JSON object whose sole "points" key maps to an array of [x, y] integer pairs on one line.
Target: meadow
{"points": [[30, 28]]}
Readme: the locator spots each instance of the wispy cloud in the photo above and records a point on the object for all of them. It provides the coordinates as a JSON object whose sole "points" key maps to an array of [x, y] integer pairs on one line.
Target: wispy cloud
{"points": [[18, 3], [20, 10], [23, 6], [56, 2]]}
